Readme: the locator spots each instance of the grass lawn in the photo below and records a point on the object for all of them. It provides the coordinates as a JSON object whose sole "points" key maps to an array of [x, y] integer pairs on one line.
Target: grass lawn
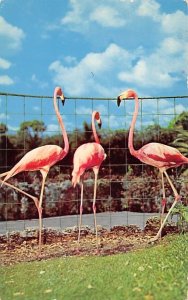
{"points": [[156, 273]]}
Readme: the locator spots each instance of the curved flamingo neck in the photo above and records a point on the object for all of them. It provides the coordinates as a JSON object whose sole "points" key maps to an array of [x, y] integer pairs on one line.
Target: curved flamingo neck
{"points": [[131, 131], [94, 129], [66, 142]]}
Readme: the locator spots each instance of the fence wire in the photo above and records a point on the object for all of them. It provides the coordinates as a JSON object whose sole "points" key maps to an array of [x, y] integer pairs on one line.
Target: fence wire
{"points": [[128, 191]]}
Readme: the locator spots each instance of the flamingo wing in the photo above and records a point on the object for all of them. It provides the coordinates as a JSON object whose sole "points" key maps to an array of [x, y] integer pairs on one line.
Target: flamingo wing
{"points": [[86, 156], [89, 155], [36, 159], [161, 155]]}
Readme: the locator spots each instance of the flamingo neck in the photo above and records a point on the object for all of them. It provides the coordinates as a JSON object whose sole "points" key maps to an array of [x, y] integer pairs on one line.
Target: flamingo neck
{"points": [[131, 131], [66, 142], [94, 129]]}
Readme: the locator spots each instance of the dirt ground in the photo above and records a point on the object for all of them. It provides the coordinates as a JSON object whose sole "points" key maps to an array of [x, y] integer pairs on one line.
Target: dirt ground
{"points": [[23, 246]]}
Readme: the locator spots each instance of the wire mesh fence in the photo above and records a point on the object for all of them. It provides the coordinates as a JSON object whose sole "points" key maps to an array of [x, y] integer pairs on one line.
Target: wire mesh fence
{"points": [[128, 191]]}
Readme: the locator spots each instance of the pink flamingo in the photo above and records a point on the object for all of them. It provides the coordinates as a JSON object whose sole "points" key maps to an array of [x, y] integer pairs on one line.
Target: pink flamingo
{"points": [[158, 155], [88, 156], [41, 159]]}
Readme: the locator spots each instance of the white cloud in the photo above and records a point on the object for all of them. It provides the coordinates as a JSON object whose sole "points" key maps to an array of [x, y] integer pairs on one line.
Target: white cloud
{"points": [[86, 76], [149, 8], [55, 128], [70, 59], [36, 108], [4, 64], [113, 122], [52, 127], [82, 110], [107, 16], [172, 45], [179, 109], [5, 80], [108, 13], [12, 128], [96, 72], [75, 15], [144, 67], [4, 116], [147, 74], [175, 23], [10, 34], [160, 69]]}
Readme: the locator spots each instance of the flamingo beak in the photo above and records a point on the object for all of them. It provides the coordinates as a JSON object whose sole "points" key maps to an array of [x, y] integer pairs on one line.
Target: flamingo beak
{"points": [[99, 123], [62, 99], [118, 101]]}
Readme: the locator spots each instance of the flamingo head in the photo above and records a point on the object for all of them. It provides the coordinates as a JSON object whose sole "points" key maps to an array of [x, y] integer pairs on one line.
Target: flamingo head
{"points": [[98, 118], [126, 95], [59, 93]]}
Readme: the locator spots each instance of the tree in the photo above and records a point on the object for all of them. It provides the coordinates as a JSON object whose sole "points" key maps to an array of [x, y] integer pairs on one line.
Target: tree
{"points": [[181, 142], [6, 157], [180, 122], [33, 128], [87, 134], [3, 128], [29, 135]]}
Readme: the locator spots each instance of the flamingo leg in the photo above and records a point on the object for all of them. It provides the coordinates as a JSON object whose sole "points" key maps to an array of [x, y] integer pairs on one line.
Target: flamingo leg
{"points": [[44, 173], [3, 174], [19, 190], [81, 210], [163, 200], [177, 198], [96, 171]]}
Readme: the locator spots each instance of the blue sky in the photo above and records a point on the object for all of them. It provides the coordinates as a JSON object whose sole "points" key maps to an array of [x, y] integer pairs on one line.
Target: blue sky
{"points": [[93, 48]]}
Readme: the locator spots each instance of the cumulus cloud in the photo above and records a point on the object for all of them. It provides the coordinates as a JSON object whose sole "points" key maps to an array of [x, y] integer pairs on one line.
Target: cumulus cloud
{"points": [[107, 16], [4, 64], [10, 39], [74, 16], [171, 24], [175, 23], [149, 8], [95, 73], [54, 128], [82, 110], [10, 36], [161, 68], [86, 76], [109, 13], [3, 116], [6, 80]]}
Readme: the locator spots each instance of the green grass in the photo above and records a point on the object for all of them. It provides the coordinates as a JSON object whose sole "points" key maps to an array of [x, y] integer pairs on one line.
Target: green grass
{"points": [[156, 273]]}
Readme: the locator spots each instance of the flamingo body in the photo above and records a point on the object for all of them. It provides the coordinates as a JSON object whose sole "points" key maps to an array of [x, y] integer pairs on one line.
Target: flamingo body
{"points": [[160, 156], [86, 156], [37, 159]]}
